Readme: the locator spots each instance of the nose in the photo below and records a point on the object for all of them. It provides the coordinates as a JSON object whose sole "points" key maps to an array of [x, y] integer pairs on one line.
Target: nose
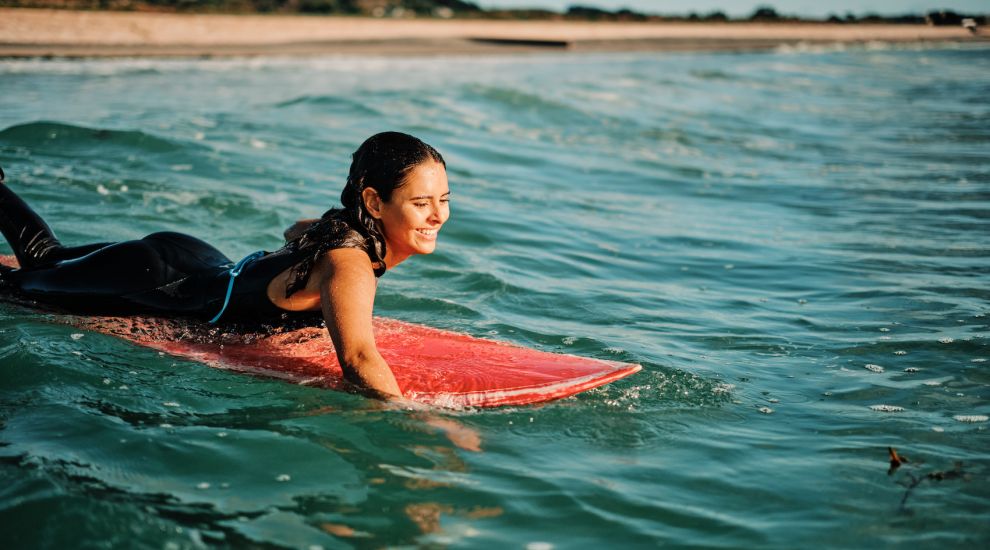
{"points": [[436, 214]]}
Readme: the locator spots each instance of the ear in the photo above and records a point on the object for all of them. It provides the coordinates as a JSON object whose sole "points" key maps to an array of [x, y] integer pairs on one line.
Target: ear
{"points": [[372, 202]]}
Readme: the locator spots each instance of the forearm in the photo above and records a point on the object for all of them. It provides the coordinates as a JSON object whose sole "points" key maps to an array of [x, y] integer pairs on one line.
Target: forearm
{"points": [[369, 371]]}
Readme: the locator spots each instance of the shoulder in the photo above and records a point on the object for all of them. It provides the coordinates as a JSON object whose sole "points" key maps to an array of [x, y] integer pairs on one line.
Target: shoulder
{"points": [[338, 233], [340, 264], [346, 259]]}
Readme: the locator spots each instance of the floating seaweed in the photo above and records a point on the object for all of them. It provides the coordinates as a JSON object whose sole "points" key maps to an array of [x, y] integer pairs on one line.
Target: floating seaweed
{"points": [[911, 480], [895, 460]]}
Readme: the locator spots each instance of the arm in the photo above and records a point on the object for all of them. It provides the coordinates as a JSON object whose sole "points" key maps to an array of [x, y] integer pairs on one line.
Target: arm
{"points": [[297, 229], [347, 297]]}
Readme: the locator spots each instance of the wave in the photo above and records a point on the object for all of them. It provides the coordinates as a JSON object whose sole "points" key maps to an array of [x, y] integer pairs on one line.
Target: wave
{"points": [[874, 46], [329, 102], [61, 138], [521, 102]]}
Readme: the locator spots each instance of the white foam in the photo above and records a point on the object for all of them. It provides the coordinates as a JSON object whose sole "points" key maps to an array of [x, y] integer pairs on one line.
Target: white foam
{"points": [[872, 46], [183, 198], [723, 388]]}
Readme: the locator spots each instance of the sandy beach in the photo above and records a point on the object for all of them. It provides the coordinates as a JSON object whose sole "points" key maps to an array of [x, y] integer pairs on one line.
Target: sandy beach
{"points": [[64, 33]]}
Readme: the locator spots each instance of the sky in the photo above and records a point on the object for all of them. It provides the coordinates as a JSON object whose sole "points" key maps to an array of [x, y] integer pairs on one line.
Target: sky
{"points": [[735, 8]]}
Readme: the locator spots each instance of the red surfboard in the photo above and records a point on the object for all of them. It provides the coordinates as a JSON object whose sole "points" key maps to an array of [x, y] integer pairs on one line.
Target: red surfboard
{"points": [[432, 366]]}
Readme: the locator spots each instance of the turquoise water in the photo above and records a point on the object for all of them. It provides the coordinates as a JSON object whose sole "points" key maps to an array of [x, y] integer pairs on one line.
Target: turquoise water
{"points": [[754, 229]]}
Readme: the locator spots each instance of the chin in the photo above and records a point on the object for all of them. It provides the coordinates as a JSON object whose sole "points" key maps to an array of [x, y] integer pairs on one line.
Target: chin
{"points": [[423, 247]]}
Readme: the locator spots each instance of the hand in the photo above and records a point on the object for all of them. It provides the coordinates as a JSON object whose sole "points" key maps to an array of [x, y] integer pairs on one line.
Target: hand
{"points": [[297, 229]]}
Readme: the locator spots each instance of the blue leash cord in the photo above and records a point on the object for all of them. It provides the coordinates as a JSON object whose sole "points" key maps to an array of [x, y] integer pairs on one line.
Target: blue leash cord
{"points": [[234, 272]]}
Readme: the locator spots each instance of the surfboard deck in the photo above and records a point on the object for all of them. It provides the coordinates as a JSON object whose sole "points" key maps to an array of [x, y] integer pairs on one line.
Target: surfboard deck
{"points": [[432, 366]]}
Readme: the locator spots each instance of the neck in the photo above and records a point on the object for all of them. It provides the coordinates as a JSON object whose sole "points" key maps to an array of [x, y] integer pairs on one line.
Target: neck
{"points": [[392, 259]]}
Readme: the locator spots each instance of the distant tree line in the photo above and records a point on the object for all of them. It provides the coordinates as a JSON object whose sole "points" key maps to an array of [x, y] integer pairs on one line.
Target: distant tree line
{"points": [[380, 8], [464, 8]]}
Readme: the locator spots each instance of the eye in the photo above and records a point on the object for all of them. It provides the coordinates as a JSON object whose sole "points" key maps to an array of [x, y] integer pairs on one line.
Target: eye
{"points": [[421, 204]]}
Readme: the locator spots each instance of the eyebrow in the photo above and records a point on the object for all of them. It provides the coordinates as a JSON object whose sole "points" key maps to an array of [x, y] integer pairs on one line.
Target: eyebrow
{"points": [[427, 196]]}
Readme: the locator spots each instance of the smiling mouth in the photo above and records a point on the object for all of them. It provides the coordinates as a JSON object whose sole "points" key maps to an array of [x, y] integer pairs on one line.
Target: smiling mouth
{"points": [[429, 233]]}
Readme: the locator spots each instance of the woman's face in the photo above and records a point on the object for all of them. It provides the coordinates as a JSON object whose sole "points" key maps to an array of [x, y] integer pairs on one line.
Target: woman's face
{"points": [[411, 219]]}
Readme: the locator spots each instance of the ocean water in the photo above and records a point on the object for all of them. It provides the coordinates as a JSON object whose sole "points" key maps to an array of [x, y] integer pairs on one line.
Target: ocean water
{"points": [[794, 244]]}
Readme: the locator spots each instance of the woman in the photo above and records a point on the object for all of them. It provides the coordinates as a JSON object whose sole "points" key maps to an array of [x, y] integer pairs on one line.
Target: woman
{"points": [[394, 203]]}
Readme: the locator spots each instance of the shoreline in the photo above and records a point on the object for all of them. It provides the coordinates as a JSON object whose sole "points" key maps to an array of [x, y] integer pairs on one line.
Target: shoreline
{"points": [[72, 34]]}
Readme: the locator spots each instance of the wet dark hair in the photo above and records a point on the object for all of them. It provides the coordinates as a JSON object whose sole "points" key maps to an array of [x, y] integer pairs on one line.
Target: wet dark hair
{"points": [[382, 163]]}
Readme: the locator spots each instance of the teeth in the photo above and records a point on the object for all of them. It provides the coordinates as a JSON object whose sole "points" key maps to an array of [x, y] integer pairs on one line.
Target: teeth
{"points": [[427, 231]]}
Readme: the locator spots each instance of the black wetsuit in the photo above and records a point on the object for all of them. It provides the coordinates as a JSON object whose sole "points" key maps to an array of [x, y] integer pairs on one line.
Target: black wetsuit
{"points": [[163, 273], [170, 273]]}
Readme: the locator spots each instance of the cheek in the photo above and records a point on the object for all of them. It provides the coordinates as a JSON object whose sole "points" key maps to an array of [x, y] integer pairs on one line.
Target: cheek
{"points": [[397, 220], [407, 220], [414, 218]]}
